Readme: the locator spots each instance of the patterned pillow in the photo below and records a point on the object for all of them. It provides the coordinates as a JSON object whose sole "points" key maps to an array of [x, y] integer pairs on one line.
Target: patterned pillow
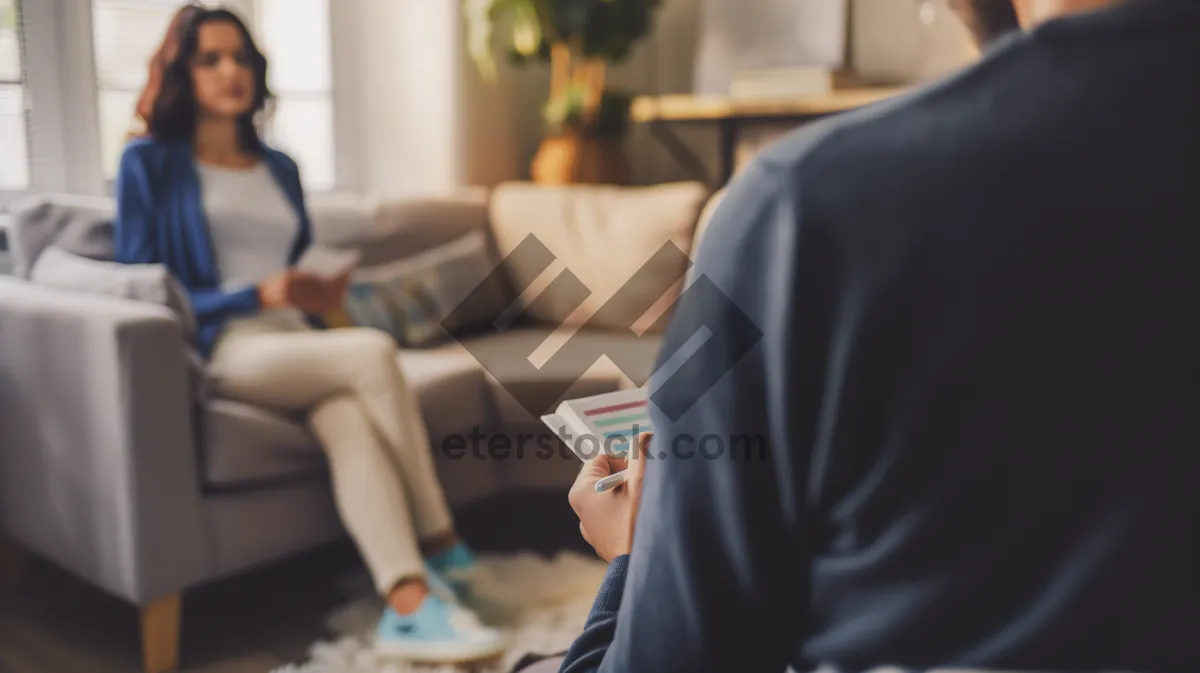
{"points": [[413, 298]]}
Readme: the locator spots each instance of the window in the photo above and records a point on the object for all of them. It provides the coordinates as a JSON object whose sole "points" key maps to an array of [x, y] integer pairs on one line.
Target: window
{"points": [[126, 34], [14, 159], [294, 34]]}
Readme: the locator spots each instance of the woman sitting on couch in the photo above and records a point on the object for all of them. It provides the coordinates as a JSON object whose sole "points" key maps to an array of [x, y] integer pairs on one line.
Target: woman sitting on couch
{"points": [[203, 195]]}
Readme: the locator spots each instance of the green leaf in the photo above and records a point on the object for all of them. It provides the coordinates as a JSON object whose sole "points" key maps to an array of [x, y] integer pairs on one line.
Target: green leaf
{"points": [[478, 17], [482, 17], [8, 15], [604, 29], [526, 29]]}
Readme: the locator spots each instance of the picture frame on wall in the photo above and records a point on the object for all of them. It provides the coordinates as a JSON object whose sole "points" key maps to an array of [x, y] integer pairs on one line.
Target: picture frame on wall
{"points": [[781, 48]]}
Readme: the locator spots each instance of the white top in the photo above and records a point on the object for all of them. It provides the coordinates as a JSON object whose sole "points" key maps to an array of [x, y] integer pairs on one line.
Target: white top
{"points": [[252, 226]]}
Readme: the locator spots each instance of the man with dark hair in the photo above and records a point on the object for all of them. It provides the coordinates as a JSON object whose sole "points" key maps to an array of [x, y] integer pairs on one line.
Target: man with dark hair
{"points": [[978, 376], [988, 20]]}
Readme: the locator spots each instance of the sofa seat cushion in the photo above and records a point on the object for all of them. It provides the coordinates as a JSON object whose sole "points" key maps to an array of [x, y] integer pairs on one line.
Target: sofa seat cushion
{"points": [[450, 388], [529, 370], [246, 446]]}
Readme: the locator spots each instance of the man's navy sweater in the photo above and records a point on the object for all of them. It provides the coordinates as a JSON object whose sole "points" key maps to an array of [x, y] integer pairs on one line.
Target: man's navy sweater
{"points": [[978, 381]]}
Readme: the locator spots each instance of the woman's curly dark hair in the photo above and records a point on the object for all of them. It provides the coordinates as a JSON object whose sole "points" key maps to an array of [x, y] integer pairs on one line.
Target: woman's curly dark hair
{"points": [[167, 106]]}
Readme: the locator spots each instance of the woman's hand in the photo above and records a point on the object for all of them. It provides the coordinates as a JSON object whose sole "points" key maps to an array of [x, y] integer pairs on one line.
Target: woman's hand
{"points": [[606, 520], [337, 289], [311, 294]]}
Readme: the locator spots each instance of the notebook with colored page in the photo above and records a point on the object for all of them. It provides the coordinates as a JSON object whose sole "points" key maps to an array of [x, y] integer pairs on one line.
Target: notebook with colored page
{"points": [[608, 421]]}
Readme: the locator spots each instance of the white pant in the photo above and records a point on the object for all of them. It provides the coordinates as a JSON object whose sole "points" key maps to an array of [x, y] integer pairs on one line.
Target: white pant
{"points": [[363, 414]]}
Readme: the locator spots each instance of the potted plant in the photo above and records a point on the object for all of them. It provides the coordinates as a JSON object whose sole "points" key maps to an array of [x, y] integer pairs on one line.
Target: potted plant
{"points": [[586, 119]]}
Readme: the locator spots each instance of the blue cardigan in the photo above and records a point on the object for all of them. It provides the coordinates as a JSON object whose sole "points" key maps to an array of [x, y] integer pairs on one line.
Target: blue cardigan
{"points": [[160, 220]]}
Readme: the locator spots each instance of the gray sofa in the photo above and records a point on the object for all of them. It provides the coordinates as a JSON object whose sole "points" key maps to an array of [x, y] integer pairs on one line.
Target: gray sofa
{"points": [[115, 468]]}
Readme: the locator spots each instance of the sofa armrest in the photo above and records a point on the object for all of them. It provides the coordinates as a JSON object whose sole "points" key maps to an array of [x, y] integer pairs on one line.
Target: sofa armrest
{"points": [[98, 467]]}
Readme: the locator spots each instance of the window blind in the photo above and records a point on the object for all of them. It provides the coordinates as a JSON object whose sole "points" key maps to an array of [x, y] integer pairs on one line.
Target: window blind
{"points": [[14, 137], [125, 34]]}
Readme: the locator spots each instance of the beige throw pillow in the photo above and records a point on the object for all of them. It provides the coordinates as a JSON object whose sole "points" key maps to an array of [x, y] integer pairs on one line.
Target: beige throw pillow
{"points": [[603, 235]]}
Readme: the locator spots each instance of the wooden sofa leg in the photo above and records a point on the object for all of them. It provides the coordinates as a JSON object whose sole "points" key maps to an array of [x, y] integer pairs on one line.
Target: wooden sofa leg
{"points": [[160, 634], [13, 562]]}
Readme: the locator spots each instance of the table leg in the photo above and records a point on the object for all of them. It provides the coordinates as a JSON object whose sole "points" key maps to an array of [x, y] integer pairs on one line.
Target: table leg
{"points": [[680, 152], [728, 139]]}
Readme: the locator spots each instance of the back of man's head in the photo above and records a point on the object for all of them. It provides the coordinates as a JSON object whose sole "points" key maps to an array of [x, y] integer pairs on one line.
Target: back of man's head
{"points": [[987, 19], [1036, 11]]}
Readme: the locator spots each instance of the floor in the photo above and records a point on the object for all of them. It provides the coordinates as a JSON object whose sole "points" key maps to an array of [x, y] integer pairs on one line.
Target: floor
{"points": [[53, 623]]}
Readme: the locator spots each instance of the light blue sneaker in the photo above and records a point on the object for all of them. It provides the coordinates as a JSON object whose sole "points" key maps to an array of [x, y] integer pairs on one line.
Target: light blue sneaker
{"points": [[457, 566], [438, 632]]}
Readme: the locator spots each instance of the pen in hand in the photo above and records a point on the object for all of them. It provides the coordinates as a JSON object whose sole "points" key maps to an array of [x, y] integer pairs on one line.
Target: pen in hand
{"points": [[617, 478], [610, 482]]}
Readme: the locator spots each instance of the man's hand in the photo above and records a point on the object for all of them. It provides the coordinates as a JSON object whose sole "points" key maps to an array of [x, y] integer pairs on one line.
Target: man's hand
{"points": [[606, 519]]}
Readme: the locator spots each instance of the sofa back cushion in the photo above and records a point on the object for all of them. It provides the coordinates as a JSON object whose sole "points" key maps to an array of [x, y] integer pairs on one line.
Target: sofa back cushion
{"points": [[80, 225], [603, 235], [407, 227], [83, 225]]}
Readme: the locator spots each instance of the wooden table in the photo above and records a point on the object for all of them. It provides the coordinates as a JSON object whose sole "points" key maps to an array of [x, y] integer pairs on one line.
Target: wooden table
{"points": [[731, 116]]}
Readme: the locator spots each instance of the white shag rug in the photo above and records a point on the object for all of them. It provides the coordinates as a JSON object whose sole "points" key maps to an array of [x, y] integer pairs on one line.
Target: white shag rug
{"points": [[539, 604]]}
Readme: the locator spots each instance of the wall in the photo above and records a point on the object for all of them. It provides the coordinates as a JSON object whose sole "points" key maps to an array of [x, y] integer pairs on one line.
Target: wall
{"points": [[421, 120], [397, 96], [890, 44], [663, 63], [424, 120]]}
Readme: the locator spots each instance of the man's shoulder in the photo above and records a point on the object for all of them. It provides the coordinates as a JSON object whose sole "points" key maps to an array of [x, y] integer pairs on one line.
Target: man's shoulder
{"points": [[866, 169], [1006, 95], [891, 133]]}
